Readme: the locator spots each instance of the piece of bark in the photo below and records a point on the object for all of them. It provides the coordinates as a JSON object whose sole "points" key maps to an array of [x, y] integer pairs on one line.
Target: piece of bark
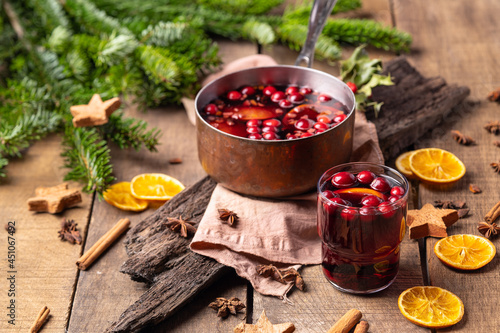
{"points": [[163, 258], [412, 106]]}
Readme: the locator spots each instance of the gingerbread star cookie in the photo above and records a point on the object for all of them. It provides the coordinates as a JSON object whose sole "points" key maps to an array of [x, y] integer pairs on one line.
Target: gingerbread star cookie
{"points": [[54, 199], [264, 326], [95, 113], [430, 221]]}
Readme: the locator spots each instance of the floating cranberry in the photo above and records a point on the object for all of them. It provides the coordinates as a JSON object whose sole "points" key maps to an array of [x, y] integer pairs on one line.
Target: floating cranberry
{"points": [[306, 135], [253, 129], [305, 90], [323, 98], [371, 201], [291, 90], [269, 90], [367, 214], [323, 119], [270, 136], [249, 91], [272, 122], [343, 179], [296, 98], [365, 177], [387, 209], [269, 129], [211, 109], [397, 190], [393, 198], [380, 184], [348, 214], [290, 136], [255, 136], [234, 95], [303, 124], [278, 96], [331, 207], [285, 104], [320, 126], [330, 194], [320, 131], [352, 86], [339, 118], [253, 122]]}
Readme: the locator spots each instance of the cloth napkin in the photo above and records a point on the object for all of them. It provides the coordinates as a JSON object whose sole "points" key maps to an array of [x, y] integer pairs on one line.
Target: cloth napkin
{"points": [[280, 232]]}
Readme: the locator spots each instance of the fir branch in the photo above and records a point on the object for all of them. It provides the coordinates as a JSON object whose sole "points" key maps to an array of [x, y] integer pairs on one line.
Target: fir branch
{"points": [[164, 34], [88, 158], [159, 65], [59, 39], [252, 7], [259, 32], [51, 14], [116, 49], [3, 164]]}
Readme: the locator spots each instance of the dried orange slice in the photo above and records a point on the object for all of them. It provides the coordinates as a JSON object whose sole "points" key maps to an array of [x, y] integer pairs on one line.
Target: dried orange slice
{"points": [[119, 195], [466, 252], [431, 307], [155, 186], [403, 164], [436, 165]]}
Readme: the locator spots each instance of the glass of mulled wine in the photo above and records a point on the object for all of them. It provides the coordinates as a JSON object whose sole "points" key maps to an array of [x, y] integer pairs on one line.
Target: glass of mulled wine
{"points": [[361, 222]]}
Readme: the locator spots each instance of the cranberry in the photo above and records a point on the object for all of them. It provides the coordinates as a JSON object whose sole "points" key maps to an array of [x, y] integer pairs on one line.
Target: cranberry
{"points": [[269, 90], [306, 135], [323, 119], [365, 177], [291, 90], [253, 129], [269, 129], [303, 124], [323, 98], [352, 86], [339, 118], [296, 98], [367, 214], [320, 131], [253, 122], [255, 136], [393, 198], [386, 209], [270, 136], [380, 184], [397, 190], [211, 109], [320, 126], [371, 201], [278, 96], [348, 214], [290, 136], [331, 207], [233, 95], [285, 104], [330, 194], [248, 91], [343, 179], [272, 122], [305, 90]]}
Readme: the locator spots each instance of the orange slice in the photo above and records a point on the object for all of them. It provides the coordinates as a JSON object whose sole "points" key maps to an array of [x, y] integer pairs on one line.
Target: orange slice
{"points": [[119, 195], [361, 191], [155, 186], [431, 307], [467, 252], [434, 165], [403, 164], [254, 112]]}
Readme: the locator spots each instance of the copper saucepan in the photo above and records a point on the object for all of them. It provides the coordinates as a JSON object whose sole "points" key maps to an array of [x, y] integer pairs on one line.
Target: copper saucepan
{"points": [[276, 168]]}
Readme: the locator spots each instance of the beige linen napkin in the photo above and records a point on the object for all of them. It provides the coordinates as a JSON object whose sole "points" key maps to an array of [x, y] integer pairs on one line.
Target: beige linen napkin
{"points": [[281, 232]]}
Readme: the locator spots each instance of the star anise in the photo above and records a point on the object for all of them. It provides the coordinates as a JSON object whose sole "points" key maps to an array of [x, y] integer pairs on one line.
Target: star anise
{"points": [[179, 225], [496, 143], [462, 138], [284, 275], [494, 96], [225, 307], [228, 216], [69, 232], [493, 127], [448, 204], [488, 229], [496, 166], [474, 188]]}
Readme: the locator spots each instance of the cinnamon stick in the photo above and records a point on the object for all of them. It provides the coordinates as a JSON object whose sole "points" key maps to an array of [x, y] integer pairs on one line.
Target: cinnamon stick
{"points": [[102, 244], [493, 214], [362, 327], [40, 320], [346, 322]]}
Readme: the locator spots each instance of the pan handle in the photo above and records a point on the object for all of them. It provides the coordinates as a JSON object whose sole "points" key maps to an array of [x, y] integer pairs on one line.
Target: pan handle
{"points": [[321, 9]]}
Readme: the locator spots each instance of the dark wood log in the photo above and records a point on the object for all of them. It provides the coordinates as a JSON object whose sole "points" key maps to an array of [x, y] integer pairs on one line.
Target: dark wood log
{"points": [[163, 258], [412, 106]]}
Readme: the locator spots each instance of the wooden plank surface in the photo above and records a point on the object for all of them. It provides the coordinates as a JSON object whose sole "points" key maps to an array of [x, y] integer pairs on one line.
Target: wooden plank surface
{"points": [[45, 266]]}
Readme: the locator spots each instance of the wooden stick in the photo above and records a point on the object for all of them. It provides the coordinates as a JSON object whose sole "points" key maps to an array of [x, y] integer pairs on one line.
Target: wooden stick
{"points": [[493, 214], [40, 320], [102, 244], [344, 324], [362, 327]]}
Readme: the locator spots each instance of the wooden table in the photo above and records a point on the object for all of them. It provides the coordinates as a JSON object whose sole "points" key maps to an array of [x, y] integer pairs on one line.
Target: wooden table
{"points": [[454, 39]]}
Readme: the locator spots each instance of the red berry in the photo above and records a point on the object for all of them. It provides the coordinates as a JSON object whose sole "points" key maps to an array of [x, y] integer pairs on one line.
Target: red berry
{"points": [[303, 124], [306, 135], [285, 104], [330, 194], [320, 126], [371, 201], [255, 136], [269, 129], [291, 136], [343, 179], [323, 98], [332, 205], [278, 96], [305, 90], [253, 129], [365, 177], [323, 119], [367, 214], [397, 190], [291, 90], [339, 118], [352, 86], [211, 109], [272, 122], [387, 209], [270, 136], [233, 95], [296, 98], [348, 214], [269, 90], [380, 184], [248, 91], [253, 122], [393, 198]]}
